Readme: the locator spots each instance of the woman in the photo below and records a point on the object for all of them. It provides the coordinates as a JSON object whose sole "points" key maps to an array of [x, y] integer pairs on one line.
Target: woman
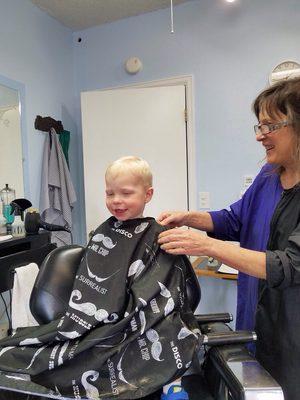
{"points": [[278, 268]]}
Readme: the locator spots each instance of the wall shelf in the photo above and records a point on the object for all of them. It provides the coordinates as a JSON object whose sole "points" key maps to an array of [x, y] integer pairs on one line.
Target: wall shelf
{"points": [[201, 269]]}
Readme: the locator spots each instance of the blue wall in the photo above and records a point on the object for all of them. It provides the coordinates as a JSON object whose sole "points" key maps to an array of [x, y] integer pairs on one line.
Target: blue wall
{"points": [[228, 48], [36, 51]]}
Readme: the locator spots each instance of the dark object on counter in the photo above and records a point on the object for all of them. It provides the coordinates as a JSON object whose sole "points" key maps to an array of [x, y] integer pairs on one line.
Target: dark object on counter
{"points": [[33, 223], [46, 123], [18, 206]]}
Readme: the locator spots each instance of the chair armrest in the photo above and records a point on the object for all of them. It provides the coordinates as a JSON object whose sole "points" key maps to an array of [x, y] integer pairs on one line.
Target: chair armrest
{"points": [[230, 337], [231, 369], [219, 333], [209, 318]]}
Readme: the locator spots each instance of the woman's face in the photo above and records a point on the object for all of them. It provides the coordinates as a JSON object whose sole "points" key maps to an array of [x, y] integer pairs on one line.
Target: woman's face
{"points": [[279, 144]]}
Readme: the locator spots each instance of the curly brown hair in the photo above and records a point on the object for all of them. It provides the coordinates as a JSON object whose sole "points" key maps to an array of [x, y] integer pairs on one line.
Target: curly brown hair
{"points": [[283, 97]]}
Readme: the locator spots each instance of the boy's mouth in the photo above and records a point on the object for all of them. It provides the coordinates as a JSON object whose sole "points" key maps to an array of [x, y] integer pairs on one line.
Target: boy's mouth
{"points": [[119, 211]]}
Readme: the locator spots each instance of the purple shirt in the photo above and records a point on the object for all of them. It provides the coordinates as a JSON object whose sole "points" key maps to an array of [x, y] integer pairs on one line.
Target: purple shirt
{"points": [[248, 222]]}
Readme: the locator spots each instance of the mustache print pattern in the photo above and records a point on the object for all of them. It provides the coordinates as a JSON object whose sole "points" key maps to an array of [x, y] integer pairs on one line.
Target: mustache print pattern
{"points": [[35, 355], [87, 308], [164, 291], [119, 368], [91, 390], [143, 301], [170, 303], [5, 349], [29, 341], [156, 347], [184, 332], [143, 321], [98, 278], [62, 352], [107, 242], [140, 228], [169, 306], [136, 268], [17, 378], [70, 335]]}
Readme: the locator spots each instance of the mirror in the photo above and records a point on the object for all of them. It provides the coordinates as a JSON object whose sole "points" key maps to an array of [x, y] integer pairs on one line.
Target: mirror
{"points": [[11, 138]]}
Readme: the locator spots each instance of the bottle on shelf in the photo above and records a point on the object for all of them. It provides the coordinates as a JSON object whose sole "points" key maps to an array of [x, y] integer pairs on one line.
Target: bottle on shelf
{"points": [[18, 208], [7, 195], [17, 227]]}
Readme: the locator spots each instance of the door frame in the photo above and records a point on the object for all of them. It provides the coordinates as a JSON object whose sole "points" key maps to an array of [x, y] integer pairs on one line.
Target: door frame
{"points": [[187, 81]]}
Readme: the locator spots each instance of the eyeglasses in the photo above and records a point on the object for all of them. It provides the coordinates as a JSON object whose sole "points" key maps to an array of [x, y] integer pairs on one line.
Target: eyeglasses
{"points": [[264, 129]]}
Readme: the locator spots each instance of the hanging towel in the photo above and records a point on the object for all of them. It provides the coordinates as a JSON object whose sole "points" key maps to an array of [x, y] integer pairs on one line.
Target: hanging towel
{"points": [[57, 191], [64, 140], [24, 279]]}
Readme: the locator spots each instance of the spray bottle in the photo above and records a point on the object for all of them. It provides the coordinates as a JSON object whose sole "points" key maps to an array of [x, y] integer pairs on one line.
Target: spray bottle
{"points": [[18, 207]]}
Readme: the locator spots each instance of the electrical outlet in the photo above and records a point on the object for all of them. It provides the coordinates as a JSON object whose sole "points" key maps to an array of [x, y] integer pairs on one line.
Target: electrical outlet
{"points": [[204, 200], [248, 180]]}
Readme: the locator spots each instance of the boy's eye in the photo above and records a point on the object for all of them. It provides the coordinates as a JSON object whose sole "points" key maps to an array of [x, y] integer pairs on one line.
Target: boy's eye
{"points": [[109, 194]]}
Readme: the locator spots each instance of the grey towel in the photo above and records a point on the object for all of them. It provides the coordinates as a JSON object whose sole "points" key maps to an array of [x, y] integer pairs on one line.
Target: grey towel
{"points": [[57, 191]]}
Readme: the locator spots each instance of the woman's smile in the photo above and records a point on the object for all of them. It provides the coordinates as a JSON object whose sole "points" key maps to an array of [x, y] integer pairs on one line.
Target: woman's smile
{"points": [[268, 147]]}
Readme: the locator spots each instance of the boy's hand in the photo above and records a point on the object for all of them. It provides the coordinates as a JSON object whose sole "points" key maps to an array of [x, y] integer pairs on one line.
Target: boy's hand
{"points": [[173, 218]]}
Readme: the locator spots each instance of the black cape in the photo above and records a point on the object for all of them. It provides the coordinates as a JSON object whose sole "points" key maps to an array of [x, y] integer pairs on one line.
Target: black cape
{"points": [[278, 311], [128, 329]]}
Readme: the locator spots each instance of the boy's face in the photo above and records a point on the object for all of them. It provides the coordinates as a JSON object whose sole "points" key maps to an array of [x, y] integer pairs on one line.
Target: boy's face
{"points": [[126, 196]]}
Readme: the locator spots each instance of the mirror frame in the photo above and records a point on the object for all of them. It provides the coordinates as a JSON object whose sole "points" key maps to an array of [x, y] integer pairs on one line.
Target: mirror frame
{"points": [[20, 87]]}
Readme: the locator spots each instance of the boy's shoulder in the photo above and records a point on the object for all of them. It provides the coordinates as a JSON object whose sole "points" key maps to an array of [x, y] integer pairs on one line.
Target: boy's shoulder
{"points": [[135, 226]]}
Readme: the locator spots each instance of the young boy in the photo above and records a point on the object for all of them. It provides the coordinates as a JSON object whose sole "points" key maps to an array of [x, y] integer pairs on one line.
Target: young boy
{"points": [[128, 190]]}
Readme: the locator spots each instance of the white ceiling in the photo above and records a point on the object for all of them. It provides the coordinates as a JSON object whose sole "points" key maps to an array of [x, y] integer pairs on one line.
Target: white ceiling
{"points": [[82, 14]]}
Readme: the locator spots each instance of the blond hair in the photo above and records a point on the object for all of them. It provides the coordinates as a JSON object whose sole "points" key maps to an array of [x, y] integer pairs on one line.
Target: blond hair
{"points": [[133, 165]]}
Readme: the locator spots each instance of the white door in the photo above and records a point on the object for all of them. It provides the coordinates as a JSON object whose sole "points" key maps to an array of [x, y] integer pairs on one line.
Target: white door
{"points": [[144, 122]]}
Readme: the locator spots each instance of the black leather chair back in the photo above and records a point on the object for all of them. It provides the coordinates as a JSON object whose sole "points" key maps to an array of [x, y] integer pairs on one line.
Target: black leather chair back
{"points": [[52, 289], [51, 292]]}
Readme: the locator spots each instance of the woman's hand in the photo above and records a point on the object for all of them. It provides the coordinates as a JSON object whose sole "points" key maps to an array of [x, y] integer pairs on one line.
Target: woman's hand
{"points": [[193, 243], [183, 241], [173, 218]]}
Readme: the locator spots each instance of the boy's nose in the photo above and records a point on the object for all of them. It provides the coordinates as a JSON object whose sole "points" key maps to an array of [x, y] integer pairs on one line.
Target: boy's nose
{"points": [[116, 199]]}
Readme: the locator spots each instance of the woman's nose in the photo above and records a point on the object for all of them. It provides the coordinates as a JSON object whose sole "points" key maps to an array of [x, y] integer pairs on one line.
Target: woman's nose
{"points": [[260, 136]]}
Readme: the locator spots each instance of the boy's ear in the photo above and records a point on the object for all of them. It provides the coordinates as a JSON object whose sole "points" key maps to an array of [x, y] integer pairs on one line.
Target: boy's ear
{"points": [[149, 194]]}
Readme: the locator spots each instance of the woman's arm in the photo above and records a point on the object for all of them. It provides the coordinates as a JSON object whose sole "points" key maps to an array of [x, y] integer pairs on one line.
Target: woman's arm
{"points": [[194, 219], [180, 241], [223, 224]]}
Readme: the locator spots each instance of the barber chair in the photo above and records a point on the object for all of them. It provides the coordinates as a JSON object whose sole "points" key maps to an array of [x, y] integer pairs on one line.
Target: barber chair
{"points": [[224, 369]]}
